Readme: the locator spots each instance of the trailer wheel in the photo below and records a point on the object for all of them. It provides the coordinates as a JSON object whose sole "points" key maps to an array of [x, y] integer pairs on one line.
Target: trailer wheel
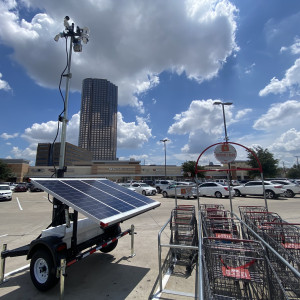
{"points": [[43, 271], [113, 232]]}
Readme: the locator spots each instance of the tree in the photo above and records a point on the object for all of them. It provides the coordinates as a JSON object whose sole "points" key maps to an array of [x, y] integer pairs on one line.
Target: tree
{"points": [[294, 172], [5, 171], [268, 162], [189, 167]]}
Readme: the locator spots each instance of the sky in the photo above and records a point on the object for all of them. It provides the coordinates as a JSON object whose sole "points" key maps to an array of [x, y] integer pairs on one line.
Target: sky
{"points": [[171, 60]]}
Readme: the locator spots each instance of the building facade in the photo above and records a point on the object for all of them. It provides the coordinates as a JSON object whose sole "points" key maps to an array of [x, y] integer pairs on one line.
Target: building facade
{"points": [[18, 167], [98, 118], [47, 154]]}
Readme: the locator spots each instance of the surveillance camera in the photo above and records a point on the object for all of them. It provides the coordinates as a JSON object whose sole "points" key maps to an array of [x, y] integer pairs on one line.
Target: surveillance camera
{"points": [[66, 23]]}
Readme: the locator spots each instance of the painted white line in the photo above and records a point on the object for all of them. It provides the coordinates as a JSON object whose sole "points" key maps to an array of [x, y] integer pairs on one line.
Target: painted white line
{"points": [[165, 279], [19, 204], [17, 270], [3, 235]]}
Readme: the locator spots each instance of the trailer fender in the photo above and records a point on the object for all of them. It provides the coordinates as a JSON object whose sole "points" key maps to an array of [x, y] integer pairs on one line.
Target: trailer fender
{"points": [[53, 244]]}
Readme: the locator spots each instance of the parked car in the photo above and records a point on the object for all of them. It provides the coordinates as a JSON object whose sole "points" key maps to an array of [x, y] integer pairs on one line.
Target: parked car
{"points": [[214, 189], [12, 186], [144, 188], [5, 192], [21, 188], [33, 188], [256, 188], [127, 185], [149, 182], [181, 190], [291, 188], [161, 184]]}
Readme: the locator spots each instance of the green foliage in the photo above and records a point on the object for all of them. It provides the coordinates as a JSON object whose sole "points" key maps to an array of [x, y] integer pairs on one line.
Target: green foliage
{"points": [[5, 171], [189, 167], [294, 172], [268, 162]]}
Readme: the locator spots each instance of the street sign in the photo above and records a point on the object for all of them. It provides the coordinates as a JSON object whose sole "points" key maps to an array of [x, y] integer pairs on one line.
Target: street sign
{"points": [[225, 153]]}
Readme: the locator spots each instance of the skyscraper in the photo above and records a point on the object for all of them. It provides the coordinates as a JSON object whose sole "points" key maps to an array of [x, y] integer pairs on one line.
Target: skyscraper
{"points": [[98, 118]]}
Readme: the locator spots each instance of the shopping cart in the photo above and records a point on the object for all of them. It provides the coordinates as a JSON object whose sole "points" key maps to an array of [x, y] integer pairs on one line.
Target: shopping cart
{"points": [[284, 238], [239, 270], [183, 226]]}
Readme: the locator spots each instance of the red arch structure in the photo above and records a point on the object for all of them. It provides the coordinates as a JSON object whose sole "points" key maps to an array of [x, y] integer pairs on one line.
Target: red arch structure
{"points": [[228, 170], [247, 169]]}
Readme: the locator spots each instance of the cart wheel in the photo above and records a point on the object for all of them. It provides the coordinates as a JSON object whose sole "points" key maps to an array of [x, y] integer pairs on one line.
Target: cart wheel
{"points": [[114, 231], [43, 271]]}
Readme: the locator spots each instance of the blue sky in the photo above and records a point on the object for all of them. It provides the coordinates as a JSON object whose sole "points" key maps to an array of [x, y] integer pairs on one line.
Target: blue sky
{"points": [[170, 60]]}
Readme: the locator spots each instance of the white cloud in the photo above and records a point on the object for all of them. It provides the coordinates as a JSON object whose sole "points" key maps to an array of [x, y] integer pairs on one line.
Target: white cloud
{"points": [[7, 136], [289, 141], [279, 117], [242, 113], [290, 81], [132, 135], [294, 48], [130, 43], [203, 121], [4, 84]]}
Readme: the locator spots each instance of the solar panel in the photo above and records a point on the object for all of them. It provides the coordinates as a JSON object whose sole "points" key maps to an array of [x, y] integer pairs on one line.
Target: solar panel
{"points": [[98, 199]]}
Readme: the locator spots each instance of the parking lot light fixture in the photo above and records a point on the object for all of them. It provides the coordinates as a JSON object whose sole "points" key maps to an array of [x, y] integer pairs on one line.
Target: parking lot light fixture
{"points": [[224, 119], [164, 141]]}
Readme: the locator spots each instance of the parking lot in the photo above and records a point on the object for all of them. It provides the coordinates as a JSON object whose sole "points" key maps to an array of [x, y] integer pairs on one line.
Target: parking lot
{"points": [[116, 275]]}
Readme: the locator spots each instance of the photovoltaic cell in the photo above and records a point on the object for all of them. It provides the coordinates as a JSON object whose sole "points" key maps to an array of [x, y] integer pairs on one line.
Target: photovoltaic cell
{"points": [[99, 199]]}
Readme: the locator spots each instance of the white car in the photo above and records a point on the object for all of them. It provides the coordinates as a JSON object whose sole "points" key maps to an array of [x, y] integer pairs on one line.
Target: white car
{"points": [[255, 188], [127, 185], [161, 184], [144, 188], [180, 190], [214, 189], [5, 192], [291, 188]]}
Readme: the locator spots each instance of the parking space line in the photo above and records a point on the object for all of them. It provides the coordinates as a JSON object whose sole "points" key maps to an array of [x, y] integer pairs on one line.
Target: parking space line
{"points": [[19, 204], [165, 279], [3, 235]]}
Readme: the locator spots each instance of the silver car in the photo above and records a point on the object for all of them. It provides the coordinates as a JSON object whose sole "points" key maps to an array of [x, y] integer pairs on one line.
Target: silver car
{"points": [[5, 192]]}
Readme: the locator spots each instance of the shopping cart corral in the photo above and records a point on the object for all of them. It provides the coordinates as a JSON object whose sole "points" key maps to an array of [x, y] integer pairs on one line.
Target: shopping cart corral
{"points": [[182, 256]]}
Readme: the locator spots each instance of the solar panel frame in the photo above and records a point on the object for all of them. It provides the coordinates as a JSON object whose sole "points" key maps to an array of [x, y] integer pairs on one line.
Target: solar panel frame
{"points": [[90, 195]]}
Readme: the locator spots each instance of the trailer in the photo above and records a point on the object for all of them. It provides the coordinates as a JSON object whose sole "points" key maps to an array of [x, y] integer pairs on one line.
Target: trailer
{"points": [[69, 239]]}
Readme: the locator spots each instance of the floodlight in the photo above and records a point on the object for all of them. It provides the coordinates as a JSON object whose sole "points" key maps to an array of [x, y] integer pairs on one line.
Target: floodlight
{"points": [[56, 38]]}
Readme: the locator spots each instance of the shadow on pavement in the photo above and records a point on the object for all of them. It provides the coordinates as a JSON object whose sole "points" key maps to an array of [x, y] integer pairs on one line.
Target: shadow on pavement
{"points": [[96, 277]]}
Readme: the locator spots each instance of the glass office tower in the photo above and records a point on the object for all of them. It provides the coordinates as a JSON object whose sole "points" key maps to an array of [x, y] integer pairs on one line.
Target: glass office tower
{"points": [[98, 118]]}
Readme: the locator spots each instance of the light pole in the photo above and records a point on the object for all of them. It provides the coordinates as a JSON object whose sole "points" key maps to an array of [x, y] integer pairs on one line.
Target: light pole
{"points": [[226, 140], [223, 104], [164, 141]]}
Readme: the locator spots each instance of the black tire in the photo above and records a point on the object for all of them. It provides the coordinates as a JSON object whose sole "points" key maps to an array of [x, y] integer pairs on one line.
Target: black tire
{"points": [[158, 190], [153, 193], [237, 193], [289, 194], [43, 270], [218, 194], [270, 194], [144, 193], [165, 194], [115, 230]]}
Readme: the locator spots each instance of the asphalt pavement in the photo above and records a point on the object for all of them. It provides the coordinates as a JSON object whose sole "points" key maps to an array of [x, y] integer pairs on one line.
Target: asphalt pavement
{"points": [[115, 275]]}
